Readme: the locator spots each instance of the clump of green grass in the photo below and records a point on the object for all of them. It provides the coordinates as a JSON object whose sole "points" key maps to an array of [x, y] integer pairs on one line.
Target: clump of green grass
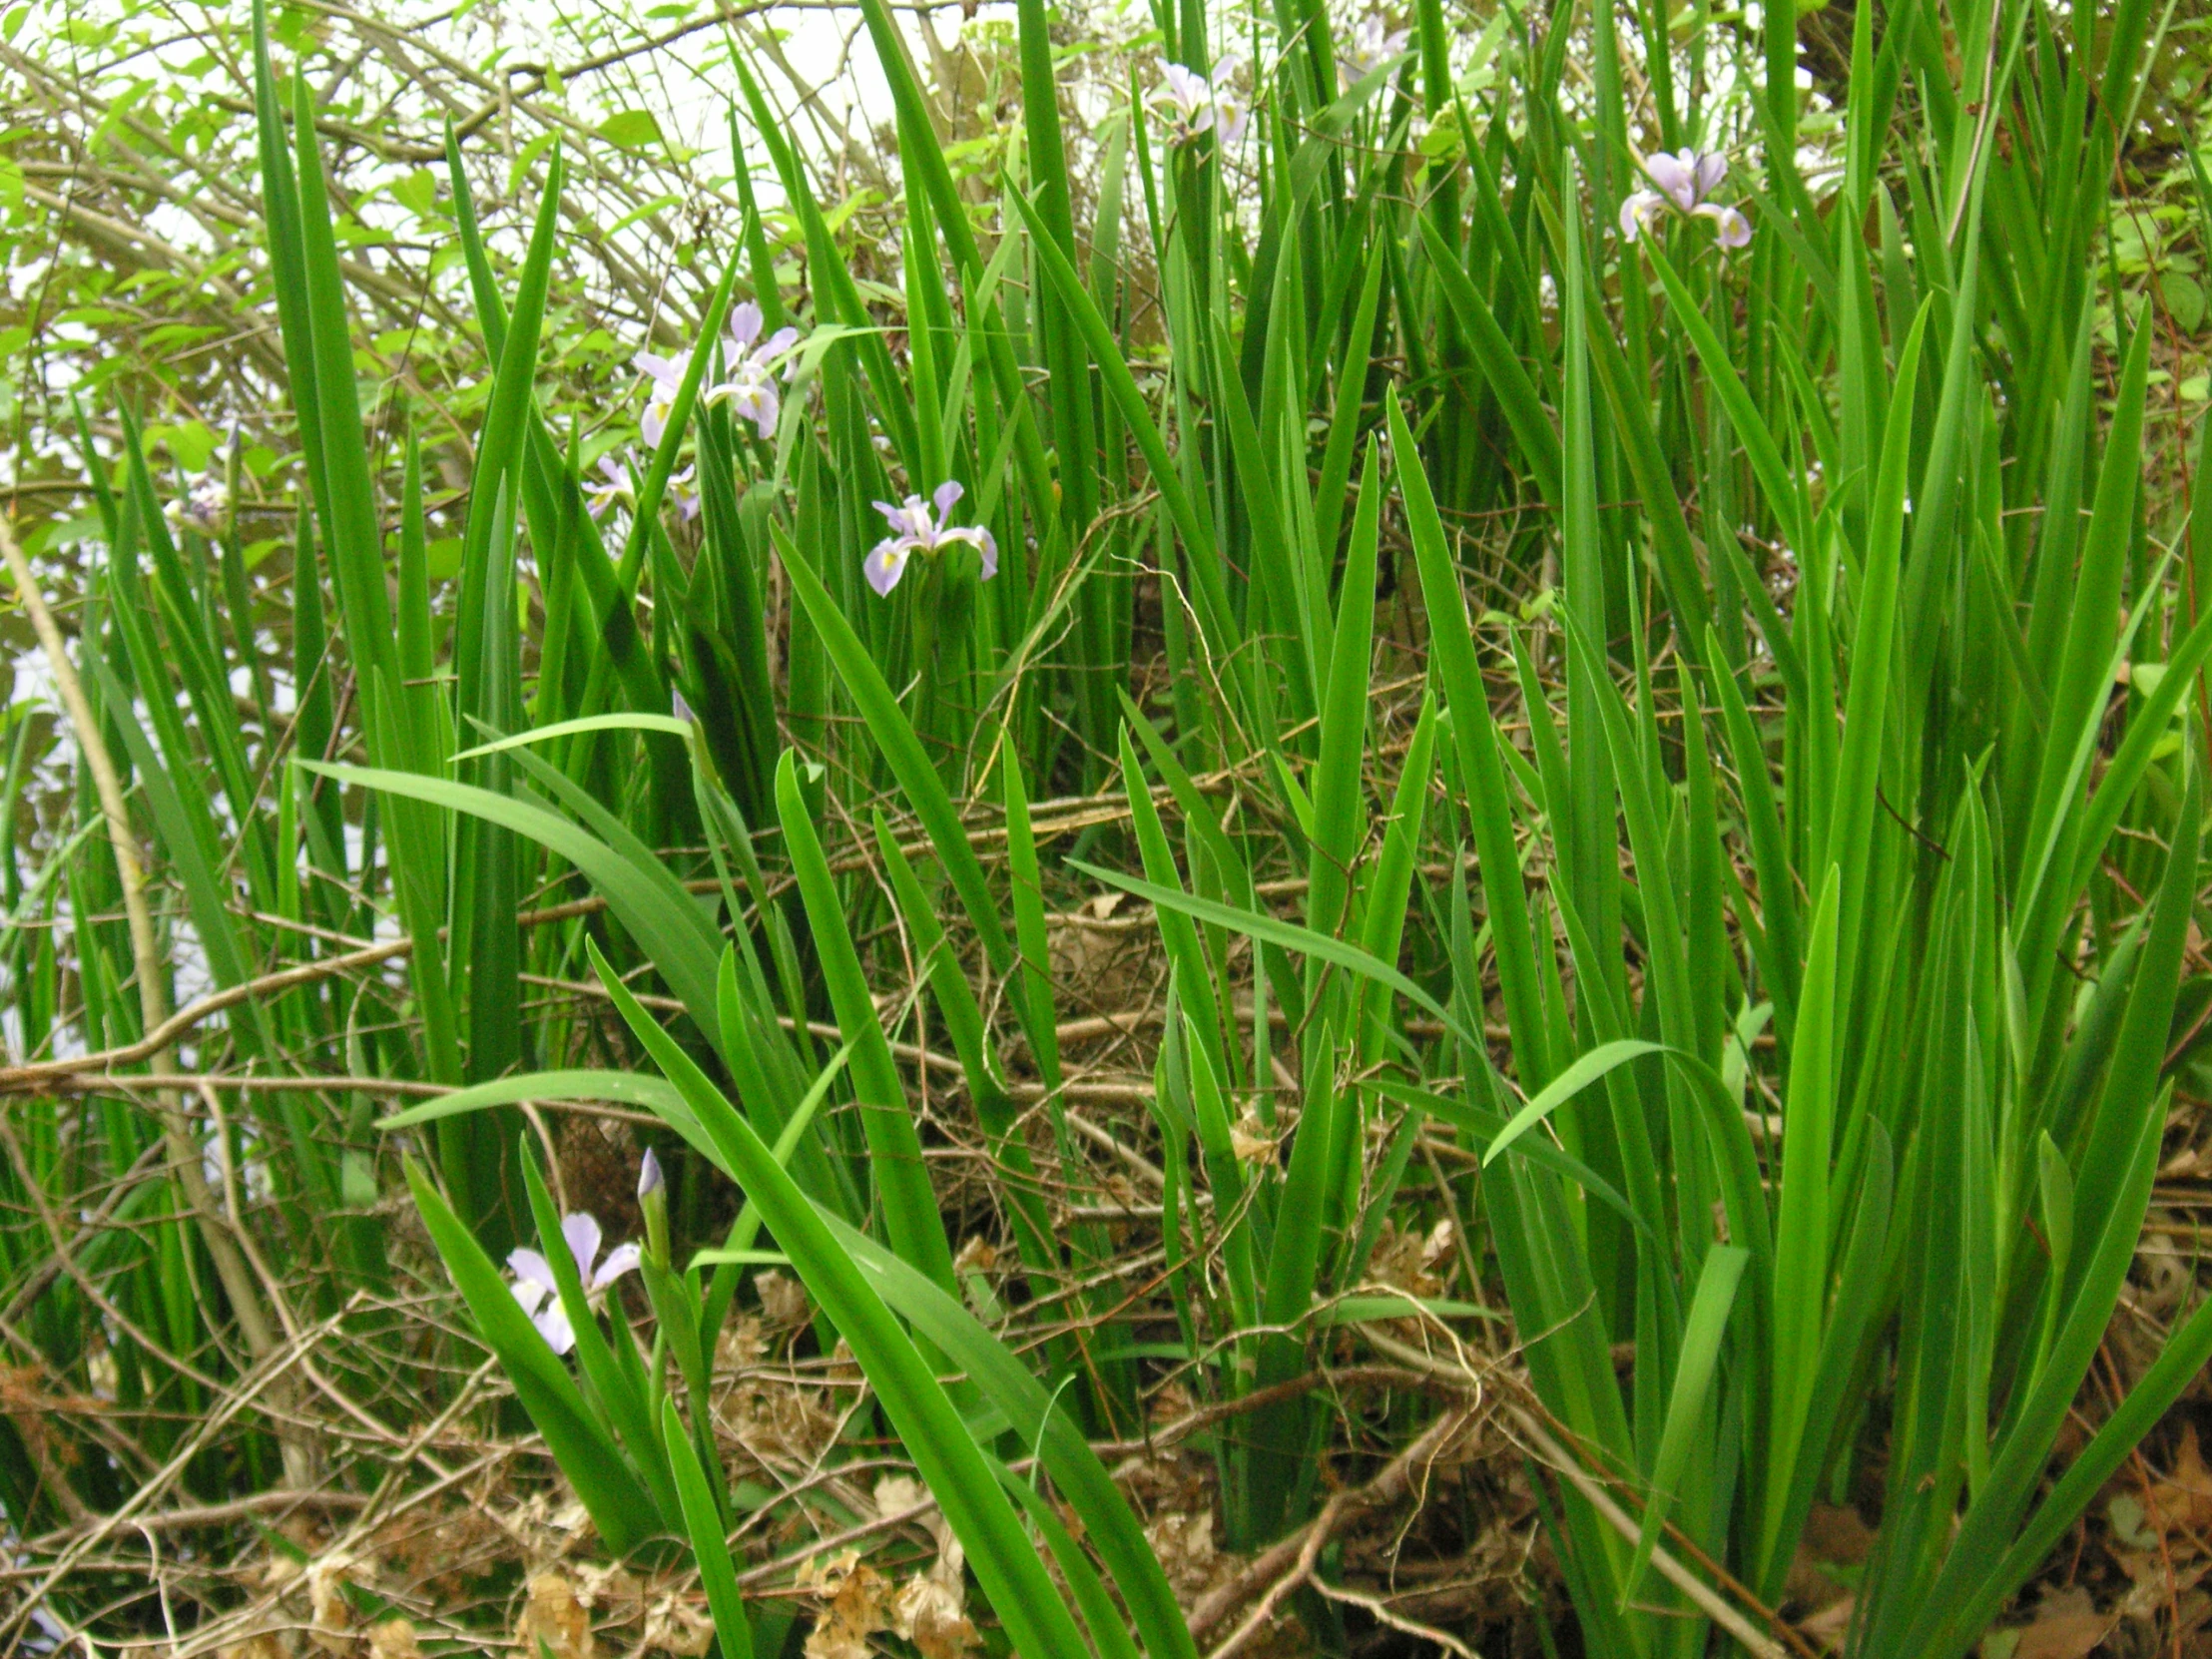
{"points": [[1772, 893]]}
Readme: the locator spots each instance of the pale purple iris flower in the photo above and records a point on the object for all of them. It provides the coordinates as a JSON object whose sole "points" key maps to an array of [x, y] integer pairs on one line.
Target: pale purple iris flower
{"points": [[1685, 178], [1373, 43], [748, 365], [1730, 227], [1640, 213], [666, 379], [206, 508], [1193, 106], [1687, 175], [616, 486], [919, 526], [540, 1293], [686, 500]]}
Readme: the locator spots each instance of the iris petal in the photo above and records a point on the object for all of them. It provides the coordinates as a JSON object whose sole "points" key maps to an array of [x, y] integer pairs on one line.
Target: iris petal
{"points": [[884, 566], [581, 1229], [619, 1260], [553, 1326], [529, 1265], [1674, 175]]}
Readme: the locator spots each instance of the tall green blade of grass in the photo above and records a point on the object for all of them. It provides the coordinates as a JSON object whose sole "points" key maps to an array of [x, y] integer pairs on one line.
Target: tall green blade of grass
{"points": [[1452, 638], [1803, 1230], [620, 1507], [642, 894], [1036, 1621], [899, 1178]]}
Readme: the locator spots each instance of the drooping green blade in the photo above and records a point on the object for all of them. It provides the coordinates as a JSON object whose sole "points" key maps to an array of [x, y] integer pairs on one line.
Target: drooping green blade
{"points": [[671, 929], [1688, 1405], [620, 1507], [901, 750], [1107, 1519], [902, 1178], [1588, 1068], [703, 1520], [1273, 931], [998, 1548], [626, 1087]]}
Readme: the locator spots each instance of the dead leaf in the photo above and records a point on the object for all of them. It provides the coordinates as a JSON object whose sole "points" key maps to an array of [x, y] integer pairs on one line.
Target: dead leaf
{"points": [[897, 1494], [2158, 1579], [2181, 1502], [779, 1422], [611, 1591], [929, 1614], [1827, 1628], [1108, 958], [1403, 1259], [394, 1639], [978, 1255], [1171, 1402], [1184, 1544], [280, 1570], [330, 1614], [859, 1605], [1441, 1240], [741, 1346], [1249, 1139], [439, 1553], [676, 1626], [553, 1614], [931, 1610], [2067, 1627], [784, 1302]]}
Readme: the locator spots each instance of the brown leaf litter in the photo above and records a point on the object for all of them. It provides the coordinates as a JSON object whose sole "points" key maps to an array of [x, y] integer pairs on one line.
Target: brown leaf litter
{"points": [[857, 1601]]}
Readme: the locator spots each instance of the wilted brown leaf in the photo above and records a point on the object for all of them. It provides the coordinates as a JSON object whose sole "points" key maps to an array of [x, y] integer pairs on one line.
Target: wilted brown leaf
{"points": [[2067, 1626], [1250, 1140], [676, 1626], [553, 1614], [741, 1346], [611, 1590], [1171, 1402], [930, 1611], [1406, 1258], [330, 1614], [2181, 1504], [859, 1606], [978, 1255], [784, 1302], [929, 1614], [897, 1494], [1184, 1544], [779, 1422]]}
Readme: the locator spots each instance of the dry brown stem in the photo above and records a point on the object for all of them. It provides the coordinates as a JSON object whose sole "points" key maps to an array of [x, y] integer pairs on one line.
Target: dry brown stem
{"points": [[222, 1234]]}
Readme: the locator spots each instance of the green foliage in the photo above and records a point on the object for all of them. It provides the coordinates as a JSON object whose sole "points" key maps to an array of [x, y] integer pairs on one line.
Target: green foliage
{"points": [[1698, 747]]}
